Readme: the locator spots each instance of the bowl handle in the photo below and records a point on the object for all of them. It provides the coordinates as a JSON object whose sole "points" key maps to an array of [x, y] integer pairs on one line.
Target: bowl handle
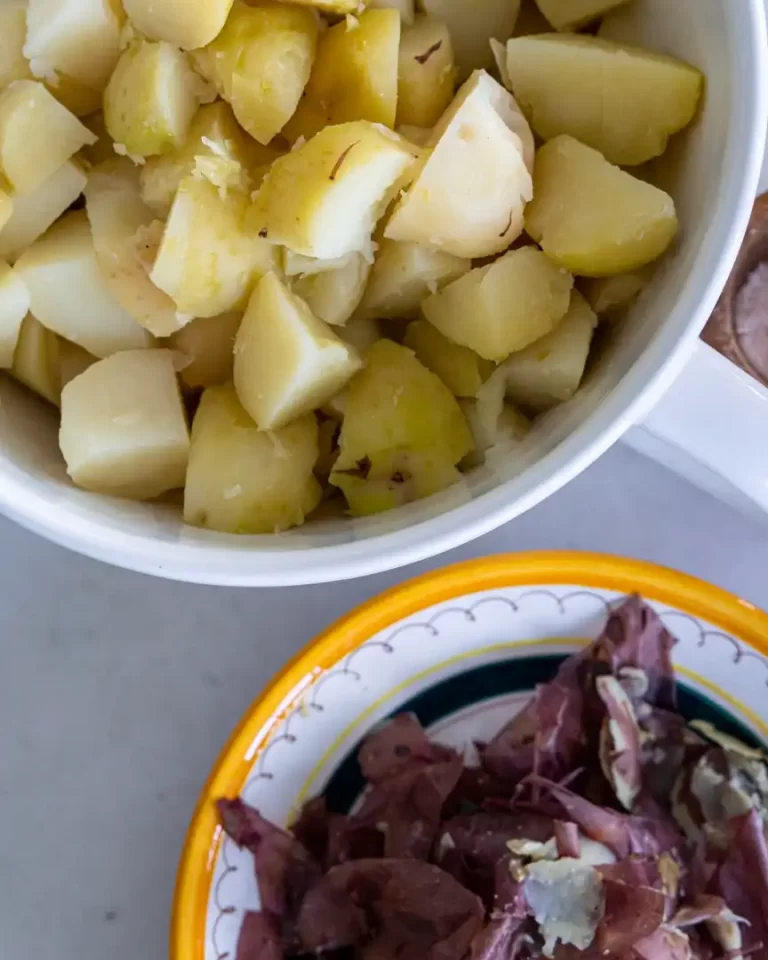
{"points": [[712, 427]]}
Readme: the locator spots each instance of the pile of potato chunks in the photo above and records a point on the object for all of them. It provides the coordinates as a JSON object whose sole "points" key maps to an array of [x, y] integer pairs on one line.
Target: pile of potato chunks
{"points": [[322, 230]]}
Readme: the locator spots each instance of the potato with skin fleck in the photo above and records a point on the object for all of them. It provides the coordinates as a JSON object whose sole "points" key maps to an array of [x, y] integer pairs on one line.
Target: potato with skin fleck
{"points": [[426, 73], [189, 24]]}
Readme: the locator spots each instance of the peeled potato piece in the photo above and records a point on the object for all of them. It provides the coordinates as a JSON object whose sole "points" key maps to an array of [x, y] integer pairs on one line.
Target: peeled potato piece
{"points": [[593, 218], [550, 371], [150, 99], [504, 306], [406, 8], [360, 333], [123, 428], [404, 275], [14, 306], [287, 362], [36, 360], [460, 368], [334, 295], [68, 294], [13, 31], [119, 219], [37, 135], [34, 212], [260, 63], [354, 76], [330, 6], [496, 426], [6, 208], [297, 265], [242, 480], [189, 24], [572, 14], [323, 199], [623, 101], [479, 152], [425, 73], [206, 349], [611, 297], [215, 149], [472, 24], [206, 261], [73, 361]]}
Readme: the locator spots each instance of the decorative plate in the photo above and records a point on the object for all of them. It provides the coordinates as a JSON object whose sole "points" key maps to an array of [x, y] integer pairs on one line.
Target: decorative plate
{"points": [[463, 648]]}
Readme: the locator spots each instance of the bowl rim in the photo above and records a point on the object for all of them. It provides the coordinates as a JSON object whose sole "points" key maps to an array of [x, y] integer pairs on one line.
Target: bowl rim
{"points": [[687, 593], [197, 556]]}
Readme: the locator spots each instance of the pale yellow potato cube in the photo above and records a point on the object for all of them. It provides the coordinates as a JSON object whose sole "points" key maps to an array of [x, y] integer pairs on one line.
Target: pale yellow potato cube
{"points": [[36, 360], [503, 307], [206, 262], [287, 362], [68, 294], [593, 218], [611, 297], [479, 152], [14, 306], [334, 295], [331, 6], [13, 32], [206, 349], [572, 14], [260, 63], [426, 72], [623, 101], [360, 333], [461, 369], [549, 371], [530, 21], [123, 427], [472, 24], [215, 149], [323, 199], [185, 23], [497, 428], [243, 480], [37, 135], [6, 208], [354, 76], [150, 99], [73, 361], [406, 8]]}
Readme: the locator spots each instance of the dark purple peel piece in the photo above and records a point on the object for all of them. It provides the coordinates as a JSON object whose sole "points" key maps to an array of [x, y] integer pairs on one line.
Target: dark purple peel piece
{"points": [[258, 938], [397, 745]]}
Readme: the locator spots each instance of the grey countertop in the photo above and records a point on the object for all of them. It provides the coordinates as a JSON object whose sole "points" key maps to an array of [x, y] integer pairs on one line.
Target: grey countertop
{"points": [[117, 692]]}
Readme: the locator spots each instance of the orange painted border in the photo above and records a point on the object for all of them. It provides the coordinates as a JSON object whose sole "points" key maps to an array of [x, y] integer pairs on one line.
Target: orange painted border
{"points": [[685, 593]]}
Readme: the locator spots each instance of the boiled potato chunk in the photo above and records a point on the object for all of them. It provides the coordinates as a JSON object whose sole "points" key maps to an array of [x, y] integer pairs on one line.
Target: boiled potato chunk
{"points": [[472, 24], [425, 73], [13, 31], [504, 306], [68, 294], [287, 362], [460, 369], [478, 151], [404, 275], [334, 295], [621, 100], [360, 333], [297, 265], [611, 297], [14, 306], [496, 426], [354, 76], [593, 218], [34, 212], [36, 360], [150, 99], [241, 480], [572, 14], [215, 149], [119, 220], [260, 63], [37, 135], [6, 208], [402, 434], [323, 199], [73, 361], [188, 25], [406, 8], [206, 349], [331, 6], [206, 262], [550, 371], [123, 427]]}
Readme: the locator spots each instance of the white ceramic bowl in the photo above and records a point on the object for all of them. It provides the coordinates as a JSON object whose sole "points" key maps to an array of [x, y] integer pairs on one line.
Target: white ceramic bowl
{"points": [[713, 172]]}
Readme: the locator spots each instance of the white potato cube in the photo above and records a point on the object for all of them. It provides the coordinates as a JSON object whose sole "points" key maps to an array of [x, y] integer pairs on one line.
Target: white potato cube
{"points": [[189, 24], [14, 306], [34, 212], [119, 220], [13, 31], [123, 427], [36, 360], [287, 362], [472, 24], [206, 349], [37, 135], [478, 151], [243, 480], [334, 295], [68, 294]]}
